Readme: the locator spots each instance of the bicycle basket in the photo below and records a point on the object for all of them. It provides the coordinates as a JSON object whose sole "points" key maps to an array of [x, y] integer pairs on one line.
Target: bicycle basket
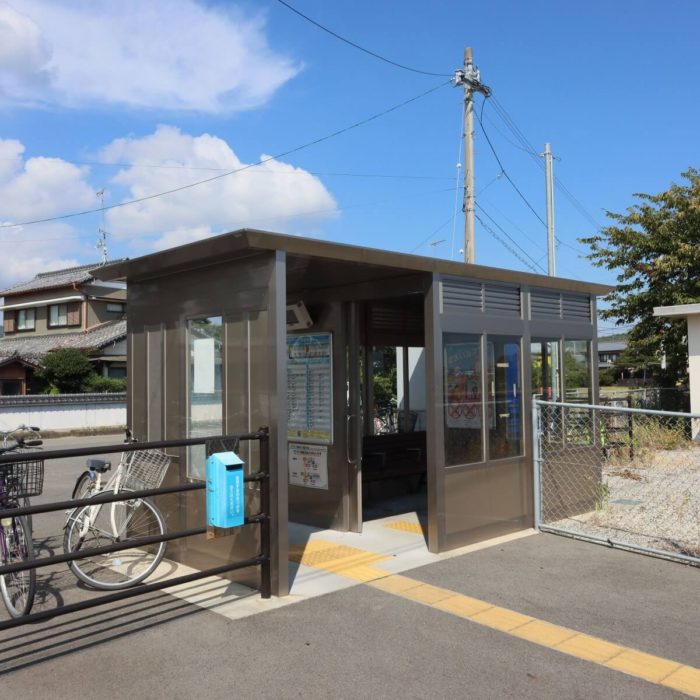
{"points": [[23, 479], [145, 469]]}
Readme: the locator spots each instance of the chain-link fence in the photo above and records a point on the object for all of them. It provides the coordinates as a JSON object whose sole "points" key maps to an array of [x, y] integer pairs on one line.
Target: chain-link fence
{"points": [[625, 477]]}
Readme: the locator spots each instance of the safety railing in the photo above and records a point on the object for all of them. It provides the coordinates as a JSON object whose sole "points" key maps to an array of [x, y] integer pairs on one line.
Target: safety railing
{"points": [[212, 444], [624, 477]]}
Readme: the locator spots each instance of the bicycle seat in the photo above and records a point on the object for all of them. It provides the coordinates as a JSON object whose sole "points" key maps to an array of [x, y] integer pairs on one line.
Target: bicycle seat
{"points": [[98, 465]]}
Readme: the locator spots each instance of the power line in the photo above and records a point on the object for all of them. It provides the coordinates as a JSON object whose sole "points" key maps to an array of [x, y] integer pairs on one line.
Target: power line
{"points": [[252, 172], [296, 215], [504, 244], [432, 233], [510, 238], [505, 172], [458, 168], [526, 146], [237, 170], [357, 46]]}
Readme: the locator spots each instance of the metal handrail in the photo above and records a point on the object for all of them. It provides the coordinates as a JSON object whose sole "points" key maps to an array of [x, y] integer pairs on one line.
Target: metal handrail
{"points": [[617, 409], [263, 559]]}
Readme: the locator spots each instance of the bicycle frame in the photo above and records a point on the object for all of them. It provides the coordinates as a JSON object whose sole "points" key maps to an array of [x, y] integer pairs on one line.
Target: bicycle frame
{"points": [[113, 484]]}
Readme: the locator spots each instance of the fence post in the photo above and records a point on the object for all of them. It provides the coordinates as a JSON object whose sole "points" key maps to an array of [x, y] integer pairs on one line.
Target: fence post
{"points": [[265, 548], [536, 462]]}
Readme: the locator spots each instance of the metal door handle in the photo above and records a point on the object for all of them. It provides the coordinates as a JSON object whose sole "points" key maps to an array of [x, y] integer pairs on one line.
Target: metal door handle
{"points": [[347, 439]]}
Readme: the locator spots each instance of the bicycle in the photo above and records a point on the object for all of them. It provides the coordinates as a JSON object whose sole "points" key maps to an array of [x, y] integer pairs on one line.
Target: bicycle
{"points": [[18, 480], [110, 523], [385, 418]]}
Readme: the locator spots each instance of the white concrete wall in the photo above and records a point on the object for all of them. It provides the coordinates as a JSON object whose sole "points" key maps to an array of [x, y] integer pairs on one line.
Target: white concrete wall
{"points": [[66, 412], [694, 369]]}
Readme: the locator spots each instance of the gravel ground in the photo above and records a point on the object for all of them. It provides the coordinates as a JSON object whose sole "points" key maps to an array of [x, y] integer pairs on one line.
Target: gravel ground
{"points": [[652, 501]]}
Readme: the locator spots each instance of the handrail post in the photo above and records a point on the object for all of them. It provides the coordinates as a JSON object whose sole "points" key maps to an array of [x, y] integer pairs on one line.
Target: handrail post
{"points": [[265, 540], [536, 463]]}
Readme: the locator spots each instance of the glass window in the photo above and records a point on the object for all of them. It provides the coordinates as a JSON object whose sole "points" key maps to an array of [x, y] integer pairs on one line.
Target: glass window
{"points": [[504, 397], [58, 315], [25, 319], [463, 398], [384, 389], [115, 308], [545, 372], [577, 371], [205, 414]]}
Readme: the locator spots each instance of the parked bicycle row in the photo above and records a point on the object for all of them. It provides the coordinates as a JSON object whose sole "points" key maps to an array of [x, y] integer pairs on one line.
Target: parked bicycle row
{"points": [[89, 528]]}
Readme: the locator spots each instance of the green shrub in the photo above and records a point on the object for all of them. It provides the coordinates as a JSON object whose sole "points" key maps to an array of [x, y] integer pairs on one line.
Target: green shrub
{"points": [[65, 371], [104, 385]]}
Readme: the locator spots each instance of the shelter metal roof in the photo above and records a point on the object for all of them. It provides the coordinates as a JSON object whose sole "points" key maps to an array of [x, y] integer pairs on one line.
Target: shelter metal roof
{"points": [[365, 263]]}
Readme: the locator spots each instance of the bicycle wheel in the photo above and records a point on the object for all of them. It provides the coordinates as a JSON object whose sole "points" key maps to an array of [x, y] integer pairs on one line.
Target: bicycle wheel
{"points": [[84, 486], [110, 523], [18, 588]]}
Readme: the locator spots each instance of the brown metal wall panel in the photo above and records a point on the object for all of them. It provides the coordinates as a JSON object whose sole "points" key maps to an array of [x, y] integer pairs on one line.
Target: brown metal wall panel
{"points": [[154, 381], [576, 307], [329, 509], [435, 429], [238, 289], [502, 299], [486, 501]]}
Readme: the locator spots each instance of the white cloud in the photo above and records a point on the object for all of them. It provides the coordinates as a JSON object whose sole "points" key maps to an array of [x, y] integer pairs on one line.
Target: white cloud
{"points": [[27, 252], [24, 54], [38, 188], [274, 195], [173, 54]]}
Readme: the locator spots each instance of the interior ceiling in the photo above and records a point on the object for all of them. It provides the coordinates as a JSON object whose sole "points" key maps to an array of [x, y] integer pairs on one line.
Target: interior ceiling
{"points": [[305, 272]]}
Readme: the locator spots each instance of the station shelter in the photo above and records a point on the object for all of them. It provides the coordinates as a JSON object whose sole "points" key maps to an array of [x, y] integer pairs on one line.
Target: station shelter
{"points": [[387, 380]]}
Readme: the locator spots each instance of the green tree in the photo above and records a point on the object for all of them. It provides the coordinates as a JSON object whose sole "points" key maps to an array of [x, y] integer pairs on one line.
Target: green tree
{"points": [[655, 249], [65, 371]]}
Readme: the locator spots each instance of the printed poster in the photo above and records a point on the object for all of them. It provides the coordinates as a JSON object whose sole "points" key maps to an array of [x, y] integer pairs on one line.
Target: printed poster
{"points": [[308, 465], [310, 388], [463, 385]]}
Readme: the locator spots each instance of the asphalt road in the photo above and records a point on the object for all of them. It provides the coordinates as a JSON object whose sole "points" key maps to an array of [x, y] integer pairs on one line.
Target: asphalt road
{"points": [[362, 642]]}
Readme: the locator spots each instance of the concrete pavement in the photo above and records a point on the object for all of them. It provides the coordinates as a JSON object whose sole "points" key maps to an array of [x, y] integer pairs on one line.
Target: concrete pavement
{"points": [[360, 641]]}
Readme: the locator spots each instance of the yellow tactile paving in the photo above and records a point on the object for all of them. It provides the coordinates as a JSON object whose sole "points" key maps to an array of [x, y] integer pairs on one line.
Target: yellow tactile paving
{"points": [[395, 584], [501, 618], [355, 563], [362, 573], [339, 559], [686, 679], [406, 526], [543, 633], [462, 605], [646, 666], [426, 594], [589, 648]]}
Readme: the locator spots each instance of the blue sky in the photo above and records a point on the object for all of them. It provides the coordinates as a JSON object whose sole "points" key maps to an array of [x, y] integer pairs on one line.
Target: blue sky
{"points": [[199, 88]]}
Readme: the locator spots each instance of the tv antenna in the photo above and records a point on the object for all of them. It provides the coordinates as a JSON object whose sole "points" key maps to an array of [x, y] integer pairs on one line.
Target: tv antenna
{"points": [[102, 233]]}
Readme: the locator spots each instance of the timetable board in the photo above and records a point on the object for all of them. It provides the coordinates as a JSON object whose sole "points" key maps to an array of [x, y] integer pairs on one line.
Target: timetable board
{"points": [[310, 388]]}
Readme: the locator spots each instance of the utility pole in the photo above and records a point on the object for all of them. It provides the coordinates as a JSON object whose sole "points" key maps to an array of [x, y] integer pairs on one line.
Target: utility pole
{"points": [[549, 182], [469, 77]]}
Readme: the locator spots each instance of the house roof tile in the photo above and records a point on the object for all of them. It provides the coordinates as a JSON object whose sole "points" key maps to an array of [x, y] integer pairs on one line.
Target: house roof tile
{"points": [[56, 278], [33, 348]]}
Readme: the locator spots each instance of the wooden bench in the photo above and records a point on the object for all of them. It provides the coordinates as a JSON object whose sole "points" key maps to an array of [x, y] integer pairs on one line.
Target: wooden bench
{"points": [[394, 456]]}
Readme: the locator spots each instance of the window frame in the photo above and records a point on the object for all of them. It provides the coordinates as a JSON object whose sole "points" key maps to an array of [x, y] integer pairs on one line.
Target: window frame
{"points": [[19, 326], [69, 310]]}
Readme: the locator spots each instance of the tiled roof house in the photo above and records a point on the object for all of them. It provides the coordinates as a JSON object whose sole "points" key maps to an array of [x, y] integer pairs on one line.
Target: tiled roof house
{"points": [[61, 309]]}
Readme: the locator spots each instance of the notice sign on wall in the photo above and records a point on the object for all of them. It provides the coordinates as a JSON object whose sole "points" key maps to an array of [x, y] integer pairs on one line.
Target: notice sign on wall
{"points": [[308, 465], [310, 388]]}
